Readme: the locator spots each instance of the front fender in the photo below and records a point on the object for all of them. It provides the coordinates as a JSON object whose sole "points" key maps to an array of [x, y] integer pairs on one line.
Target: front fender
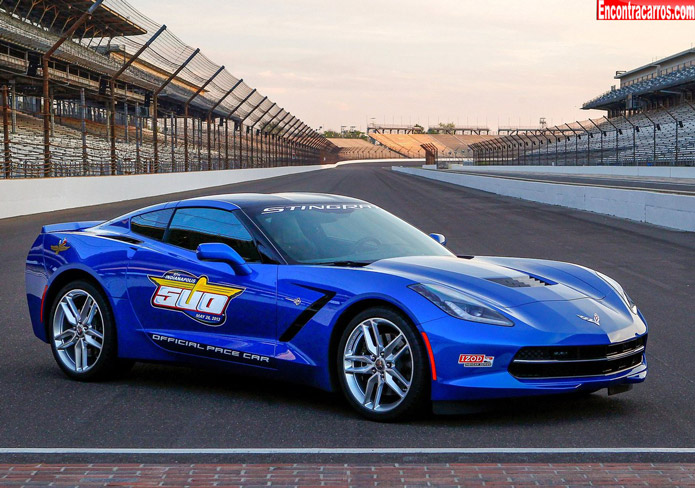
{"points": [[308, 352]]}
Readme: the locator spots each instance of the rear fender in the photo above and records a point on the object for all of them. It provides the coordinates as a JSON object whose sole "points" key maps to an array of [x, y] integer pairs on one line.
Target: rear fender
{"points": [[36, 283], [82, 256], [57, 281]]}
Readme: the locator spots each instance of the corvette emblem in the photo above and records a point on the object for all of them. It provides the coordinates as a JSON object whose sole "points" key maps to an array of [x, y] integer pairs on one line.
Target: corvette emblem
{"points": [[296, 301], [594, 320], [61, 246]]}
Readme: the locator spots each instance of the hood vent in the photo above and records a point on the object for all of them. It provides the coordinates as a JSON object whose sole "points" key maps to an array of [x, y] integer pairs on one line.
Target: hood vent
{"points": [[519, 282]]}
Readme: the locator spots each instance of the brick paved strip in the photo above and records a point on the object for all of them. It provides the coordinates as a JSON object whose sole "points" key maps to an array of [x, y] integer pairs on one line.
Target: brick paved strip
{"points": [[347, 475]]}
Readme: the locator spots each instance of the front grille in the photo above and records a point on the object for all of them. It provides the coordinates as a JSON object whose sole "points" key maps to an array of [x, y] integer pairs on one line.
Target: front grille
{"points": [[571, 361]]}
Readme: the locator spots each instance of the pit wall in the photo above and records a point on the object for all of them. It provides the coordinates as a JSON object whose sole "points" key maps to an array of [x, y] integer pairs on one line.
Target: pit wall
{"points": [[663, 209]]}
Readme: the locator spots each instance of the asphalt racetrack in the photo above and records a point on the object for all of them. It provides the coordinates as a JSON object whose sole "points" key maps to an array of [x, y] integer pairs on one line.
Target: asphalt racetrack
{"points": [[160, 406]]}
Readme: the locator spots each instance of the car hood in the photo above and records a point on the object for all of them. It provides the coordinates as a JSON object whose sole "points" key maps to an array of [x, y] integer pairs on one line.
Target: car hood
{"points": [[504, 282]]}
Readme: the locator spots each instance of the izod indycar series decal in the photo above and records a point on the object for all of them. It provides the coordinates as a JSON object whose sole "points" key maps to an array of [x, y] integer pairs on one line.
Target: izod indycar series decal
{"points": [[194, 296], [476, 360]]}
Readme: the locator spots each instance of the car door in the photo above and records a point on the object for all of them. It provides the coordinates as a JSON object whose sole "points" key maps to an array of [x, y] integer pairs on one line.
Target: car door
{"points": [[203, 308]]}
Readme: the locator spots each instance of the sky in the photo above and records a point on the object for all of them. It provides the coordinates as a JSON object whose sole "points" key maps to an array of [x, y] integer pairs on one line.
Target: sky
{"points": [[492, 62]]}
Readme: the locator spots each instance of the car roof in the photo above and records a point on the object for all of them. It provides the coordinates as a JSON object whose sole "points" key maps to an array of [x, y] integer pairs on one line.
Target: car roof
{"points": [[231, 201], [247, 200]]}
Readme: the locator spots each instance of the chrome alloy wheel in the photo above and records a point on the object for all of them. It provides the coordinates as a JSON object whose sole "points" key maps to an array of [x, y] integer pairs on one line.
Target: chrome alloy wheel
{"points": [[378, 364], [78, 330]]}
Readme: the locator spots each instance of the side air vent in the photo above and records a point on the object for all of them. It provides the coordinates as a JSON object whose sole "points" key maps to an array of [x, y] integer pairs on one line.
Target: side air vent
{"points": [[519, 282]]}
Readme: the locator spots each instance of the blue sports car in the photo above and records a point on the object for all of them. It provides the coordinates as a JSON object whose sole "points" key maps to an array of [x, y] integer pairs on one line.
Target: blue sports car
{"points": [[328, 291]]}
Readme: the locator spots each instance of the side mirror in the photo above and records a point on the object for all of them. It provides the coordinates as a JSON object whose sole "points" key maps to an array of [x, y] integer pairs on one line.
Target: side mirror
{"points": [[216, 251], [439, 238]]}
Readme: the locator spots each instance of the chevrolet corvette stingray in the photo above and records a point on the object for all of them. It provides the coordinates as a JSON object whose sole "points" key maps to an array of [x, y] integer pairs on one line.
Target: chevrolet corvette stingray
{"points": [[328, 291]]}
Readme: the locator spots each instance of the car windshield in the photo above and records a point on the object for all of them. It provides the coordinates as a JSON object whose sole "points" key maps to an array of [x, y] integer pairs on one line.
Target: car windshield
{"points": [[350, 234]]}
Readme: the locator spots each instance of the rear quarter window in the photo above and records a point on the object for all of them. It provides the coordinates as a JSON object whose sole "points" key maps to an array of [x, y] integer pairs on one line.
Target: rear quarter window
{"points": [[152, 224]]}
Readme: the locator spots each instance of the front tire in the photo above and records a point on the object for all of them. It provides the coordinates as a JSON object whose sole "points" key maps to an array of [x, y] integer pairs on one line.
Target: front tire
{"points": [[82, 332], [382, 366]]}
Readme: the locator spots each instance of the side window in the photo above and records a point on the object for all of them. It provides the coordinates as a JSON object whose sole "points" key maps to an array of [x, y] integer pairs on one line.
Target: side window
{"points": [[151, 224], [193, 226]]}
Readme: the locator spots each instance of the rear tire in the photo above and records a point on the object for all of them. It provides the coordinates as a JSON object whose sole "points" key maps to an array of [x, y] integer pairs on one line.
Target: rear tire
{"points": [[82, 333], [382, 366]]}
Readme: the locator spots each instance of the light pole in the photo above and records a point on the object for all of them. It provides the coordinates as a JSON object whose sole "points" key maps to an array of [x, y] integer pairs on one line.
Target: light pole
{"points": [[601, 133], [617, 132], [589, 136], [678, 123], [656, 127], [635, 129]]}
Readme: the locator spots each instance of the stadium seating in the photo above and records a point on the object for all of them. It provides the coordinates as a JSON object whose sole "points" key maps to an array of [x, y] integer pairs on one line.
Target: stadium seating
{"points": [[448, 146], [662, 82], [166, 70], [658, 137], [26, 150], [361, 149]]}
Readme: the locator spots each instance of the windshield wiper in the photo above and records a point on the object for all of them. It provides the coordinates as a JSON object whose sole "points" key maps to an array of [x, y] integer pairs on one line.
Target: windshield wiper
{"points": [[348, 264]]}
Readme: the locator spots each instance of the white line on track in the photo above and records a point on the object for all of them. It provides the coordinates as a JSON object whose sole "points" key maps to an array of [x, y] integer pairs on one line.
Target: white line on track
{"points": [[359, 450]]}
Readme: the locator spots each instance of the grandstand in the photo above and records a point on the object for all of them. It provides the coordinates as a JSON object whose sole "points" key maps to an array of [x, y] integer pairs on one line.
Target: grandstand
{"points": [[448, 145], [649, 86], [650, 120], [93, 87], [350, 149]]}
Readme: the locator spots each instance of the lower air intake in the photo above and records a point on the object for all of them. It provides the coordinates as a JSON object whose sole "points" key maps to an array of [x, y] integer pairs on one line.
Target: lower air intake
{"points": [[577, 361]]}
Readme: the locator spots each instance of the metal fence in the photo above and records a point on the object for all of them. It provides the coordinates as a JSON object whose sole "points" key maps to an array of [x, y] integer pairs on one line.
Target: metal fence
{"points": [[663, 137], [80, 143]]}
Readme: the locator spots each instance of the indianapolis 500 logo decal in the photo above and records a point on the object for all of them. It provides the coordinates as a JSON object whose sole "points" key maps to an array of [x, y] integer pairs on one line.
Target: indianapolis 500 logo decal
{"points": [[194, 296]]}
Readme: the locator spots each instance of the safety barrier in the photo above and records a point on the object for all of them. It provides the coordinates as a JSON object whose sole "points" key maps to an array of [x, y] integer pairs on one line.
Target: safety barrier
{"points": [[663, 209]]}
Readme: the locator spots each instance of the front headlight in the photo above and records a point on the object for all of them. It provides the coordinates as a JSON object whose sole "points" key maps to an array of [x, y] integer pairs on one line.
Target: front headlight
{"points": [[619, 290], [460, 305]]}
